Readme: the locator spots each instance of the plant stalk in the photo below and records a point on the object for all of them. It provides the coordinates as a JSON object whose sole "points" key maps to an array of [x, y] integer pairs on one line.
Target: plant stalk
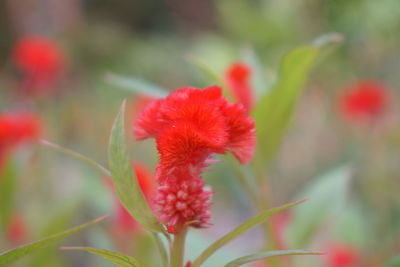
{"points": [[178, 248]]}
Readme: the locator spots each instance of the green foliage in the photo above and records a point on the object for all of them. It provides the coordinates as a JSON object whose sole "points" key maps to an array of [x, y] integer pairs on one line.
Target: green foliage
{"points": [[269, 254], [241, 229], [47, 256], [274, 110], [327, 197], [12, 255], [136, 85], [126, 184], [78, 156], [7, 191], [119, 259], [394, 262]]}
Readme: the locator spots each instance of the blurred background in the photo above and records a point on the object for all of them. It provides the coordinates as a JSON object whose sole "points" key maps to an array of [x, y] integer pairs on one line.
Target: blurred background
{"points": [[348, 166]]}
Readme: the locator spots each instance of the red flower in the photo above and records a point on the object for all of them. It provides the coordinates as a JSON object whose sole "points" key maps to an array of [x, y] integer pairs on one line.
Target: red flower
{"points": [[124, 223], [237, 78], [342, 255], [40, 59], [16, 229], [38, 56], [364, 100], [16, 128], [189, 125]]}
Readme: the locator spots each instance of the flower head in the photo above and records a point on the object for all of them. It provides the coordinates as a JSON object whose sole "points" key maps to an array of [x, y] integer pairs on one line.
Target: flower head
{"points": [[364, 100], [237, 78], [16, 229], [342, 255], [41, 60], [38, 56], [16, 128], [189, 126]]}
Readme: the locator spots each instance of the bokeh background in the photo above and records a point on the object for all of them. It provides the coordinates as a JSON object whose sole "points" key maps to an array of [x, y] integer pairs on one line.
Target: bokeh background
{"points": [[357, 210]]}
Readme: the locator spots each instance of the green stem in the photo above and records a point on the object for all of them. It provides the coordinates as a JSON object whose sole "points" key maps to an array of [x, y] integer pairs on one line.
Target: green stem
{"points": [[271, 241], [76, 155], [178, 248]]}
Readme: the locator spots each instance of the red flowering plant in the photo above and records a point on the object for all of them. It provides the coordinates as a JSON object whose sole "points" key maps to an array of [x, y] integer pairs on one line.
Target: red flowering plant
{"points": [[191, 126], [16, 128], [238, 80], [364, 101], [41, 62]]}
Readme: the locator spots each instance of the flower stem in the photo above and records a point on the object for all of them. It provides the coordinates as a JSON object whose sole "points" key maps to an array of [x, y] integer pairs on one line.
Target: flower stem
{"points": [[178, 248]]}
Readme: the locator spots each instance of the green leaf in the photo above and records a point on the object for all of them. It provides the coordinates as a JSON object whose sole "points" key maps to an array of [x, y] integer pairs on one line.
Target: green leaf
{"points": [[394, 262], [54, 224], [241, 229], [7, 191], [78, 156], [119, 259], [136, 85], [327, 198], [275, 109], [270, 254], [126, 184], [12, 255]]}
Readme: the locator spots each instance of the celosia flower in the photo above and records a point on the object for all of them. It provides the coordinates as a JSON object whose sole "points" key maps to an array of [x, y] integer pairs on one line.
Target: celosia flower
{"points": [[189, 126], [237, 79], [16, 229], [124, 223], [16, 128], [40, 59], [342, 255], [364, 100]]}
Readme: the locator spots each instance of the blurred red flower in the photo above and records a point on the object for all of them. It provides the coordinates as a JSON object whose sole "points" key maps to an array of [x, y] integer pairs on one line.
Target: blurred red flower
{"points": [[16, 128], [40, 59], [237, 79], [342, 255], [16, 229], [364, 100], [38, 56], [189, 125]]}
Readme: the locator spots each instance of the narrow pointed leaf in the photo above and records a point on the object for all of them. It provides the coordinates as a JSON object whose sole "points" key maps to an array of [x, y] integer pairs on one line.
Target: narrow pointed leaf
{"points": [[14, 254], [270, 254], [126, 184], [136, 85], [119, 259], [78, 156], [275, 109], [241, 229]]}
